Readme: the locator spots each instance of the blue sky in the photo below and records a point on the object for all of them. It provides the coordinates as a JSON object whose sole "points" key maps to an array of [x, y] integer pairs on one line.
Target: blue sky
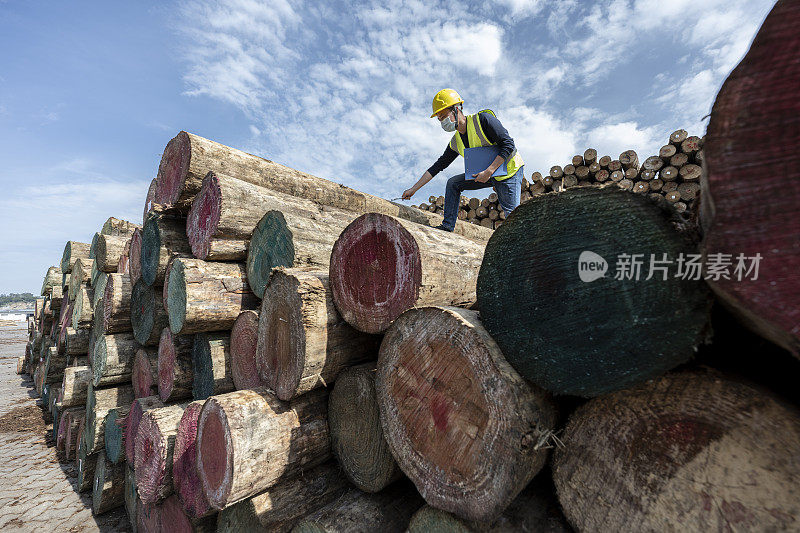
{"points": [[90, 93]]}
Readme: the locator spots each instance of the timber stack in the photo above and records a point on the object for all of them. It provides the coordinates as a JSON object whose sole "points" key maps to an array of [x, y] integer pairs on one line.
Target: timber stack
{"points": [[273, 351]]}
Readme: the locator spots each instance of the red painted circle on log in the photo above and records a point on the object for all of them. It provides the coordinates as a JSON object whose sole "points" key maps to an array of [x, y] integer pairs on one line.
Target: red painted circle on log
{"points": [[204, 216], [375, 272], [172, 169], [213, 453]]}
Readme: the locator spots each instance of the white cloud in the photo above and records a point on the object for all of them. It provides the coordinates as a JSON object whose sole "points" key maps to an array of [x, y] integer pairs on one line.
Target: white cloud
{"points": [[524, 8], [613, 139]]}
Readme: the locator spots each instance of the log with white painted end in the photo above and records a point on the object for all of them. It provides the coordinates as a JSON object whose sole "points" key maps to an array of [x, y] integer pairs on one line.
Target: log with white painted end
{"points": [[445, 394], [303, 342], [381, 266], [206, 296], [248, 440], [175, 376], [154, 444]]}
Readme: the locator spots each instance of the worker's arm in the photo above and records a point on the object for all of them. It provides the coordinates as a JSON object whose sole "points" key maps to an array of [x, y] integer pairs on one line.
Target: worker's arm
{"points": [[443, 162]]}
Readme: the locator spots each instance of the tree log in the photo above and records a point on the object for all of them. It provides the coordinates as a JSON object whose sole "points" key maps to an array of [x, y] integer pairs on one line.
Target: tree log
{"points": [[207, 296], [408, 265], [680, 450], [690, 172], [148, 317], [108, 250], [115, 434], [211, 365], [83, 312], [51, 279], [589, 156], [303, 343], [131, 497], [144, 374], [98, 403], [175, 377], [135, 260], [73, 251], [74, 433], [244, 339], [172, 516], [188, 158], [112, 360], [117, 304], [138, 408], [185, 478], [357, 439], [443, 389], [99, 288], [155, 442], [629, 159], [653, 163], [678, 160], [74, 386], [109, 485], [248, 442], [162, 236], [79, 276], [624, 348], [279, 508], [556, 171], [388, 511], [677, 137], [65, 421], [149, 203], [85, 466]]}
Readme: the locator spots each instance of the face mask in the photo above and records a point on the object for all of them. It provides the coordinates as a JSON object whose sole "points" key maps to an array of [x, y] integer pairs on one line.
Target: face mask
{"points": [[448, 124]]}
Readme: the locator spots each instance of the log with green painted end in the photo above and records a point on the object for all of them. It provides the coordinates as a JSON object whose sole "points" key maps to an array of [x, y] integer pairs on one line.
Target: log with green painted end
{"points": [[175, 376], [211, 365], [116, 304], [387, 511], [74, 385], [144, 373], [138, 407], [690, 448], [185, 479], [112, 359], [98, 403], [188, 158], [381, 266], [244, 341], [73, 251], [296, 236], [461, 423], [303, 342], [154, 445], [148, 316], [206, 296], [631, 330], [247, 441], [115, 433], [357, 439], [162, 235], [108, 491]]}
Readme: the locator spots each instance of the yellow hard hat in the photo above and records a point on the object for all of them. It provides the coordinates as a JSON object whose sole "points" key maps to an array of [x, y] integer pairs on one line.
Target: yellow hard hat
{"points": [[444, 99]]}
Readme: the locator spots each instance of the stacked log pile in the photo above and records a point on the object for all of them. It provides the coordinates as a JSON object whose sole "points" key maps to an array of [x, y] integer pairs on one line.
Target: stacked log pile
{"points": [[321, 364]]}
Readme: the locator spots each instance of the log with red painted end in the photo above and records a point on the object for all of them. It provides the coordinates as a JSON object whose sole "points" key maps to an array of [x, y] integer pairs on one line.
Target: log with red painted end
{"points": [[138, 408], [446, 398], [303, 342], [108, 489], [154, 445], [244, 339], [750, 152], [211, 365], [148, 317], [135, 257], [175, 366], [173, 518], [248, 440], [144, 373], [162, 236], [691, 448], [112, 359], [382, 266], [207, 296], [69, 418], [279, 507], [185, 478], [188, 158], [117, 304]]}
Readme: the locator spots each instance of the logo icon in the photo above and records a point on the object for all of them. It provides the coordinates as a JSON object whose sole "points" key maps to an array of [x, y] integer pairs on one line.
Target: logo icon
{"points": [[591, 266]]}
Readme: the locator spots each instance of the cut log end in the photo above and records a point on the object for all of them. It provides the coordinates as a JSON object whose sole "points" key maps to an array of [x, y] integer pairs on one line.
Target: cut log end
{"points": [[271, 246], [244, 339], [172, 169], [204, 216], [215, 465], [143, 375], [184, 470]]}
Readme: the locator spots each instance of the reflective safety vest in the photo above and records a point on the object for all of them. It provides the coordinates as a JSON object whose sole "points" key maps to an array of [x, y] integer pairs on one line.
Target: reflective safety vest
{"points": [[476, 138]]}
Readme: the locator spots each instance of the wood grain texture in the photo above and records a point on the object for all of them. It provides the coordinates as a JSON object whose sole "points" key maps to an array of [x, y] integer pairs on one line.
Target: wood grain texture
{"points": [[154, 444], [112, 360], [108, 489], [211, 365], [98, 403], [185, 478], [174, 366], [144, 372], [138, 407], [117, 304], [148, 317], [162, 236]]}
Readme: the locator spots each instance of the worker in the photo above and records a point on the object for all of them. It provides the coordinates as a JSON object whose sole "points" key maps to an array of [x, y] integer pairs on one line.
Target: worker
{"points": [[480, 129]]}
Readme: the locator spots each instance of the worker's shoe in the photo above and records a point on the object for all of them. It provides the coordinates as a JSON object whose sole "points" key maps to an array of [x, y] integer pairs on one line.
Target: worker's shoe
{"points": [[442, 227]]}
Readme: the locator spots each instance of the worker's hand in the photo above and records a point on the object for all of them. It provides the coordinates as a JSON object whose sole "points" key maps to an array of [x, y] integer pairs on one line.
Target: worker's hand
{"points": [[407, 194], [483, 176]]}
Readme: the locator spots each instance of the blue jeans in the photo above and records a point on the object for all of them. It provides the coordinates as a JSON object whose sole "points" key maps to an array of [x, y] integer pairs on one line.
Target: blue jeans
{"points": [[508, 192]]}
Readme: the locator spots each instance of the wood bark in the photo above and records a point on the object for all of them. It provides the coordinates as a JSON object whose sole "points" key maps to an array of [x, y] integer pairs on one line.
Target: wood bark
{"points": [[441, 385], [155, 442], [357, 439], [679, 449], [74, 386], [175, 376], [303, 342], [188, 158], [116, 226], [73, 251], [108, 490], [206, 296], [138, 407], [98, 403], [108, 250], [279, 508], [162, 236], [248, 440], [244, 339], [148, 317], [144, 374], [211, 365], [115, 434], [79, 276], [670, 322], [85, 466], [131, 497], [381, 266], [117, 304], [112, 359]]}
